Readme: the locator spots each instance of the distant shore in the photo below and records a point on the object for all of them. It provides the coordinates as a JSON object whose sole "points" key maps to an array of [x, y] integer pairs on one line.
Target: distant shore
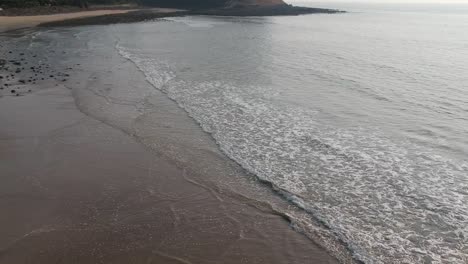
{"points": [[274, 10], [149, 14], [12, 22], [17, 18]]}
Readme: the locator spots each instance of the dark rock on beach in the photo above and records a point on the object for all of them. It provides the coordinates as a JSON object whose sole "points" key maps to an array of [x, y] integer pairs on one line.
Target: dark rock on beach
{"points": [[285, 10], [17, 77]]}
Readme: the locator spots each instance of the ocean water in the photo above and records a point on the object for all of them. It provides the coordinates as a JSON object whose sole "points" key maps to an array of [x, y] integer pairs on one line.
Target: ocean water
{"points": [[360, 119]]}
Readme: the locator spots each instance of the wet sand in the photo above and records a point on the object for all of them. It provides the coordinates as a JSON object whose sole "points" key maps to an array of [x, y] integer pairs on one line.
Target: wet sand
{"points": [[76, 190]]}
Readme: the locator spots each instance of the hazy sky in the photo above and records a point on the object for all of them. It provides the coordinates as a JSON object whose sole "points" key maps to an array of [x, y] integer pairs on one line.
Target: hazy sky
{"points": [[385, 1]]}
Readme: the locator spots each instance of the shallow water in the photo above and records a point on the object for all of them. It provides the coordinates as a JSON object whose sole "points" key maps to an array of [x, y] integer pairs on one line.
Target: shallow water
{"points": [[360, 118]]}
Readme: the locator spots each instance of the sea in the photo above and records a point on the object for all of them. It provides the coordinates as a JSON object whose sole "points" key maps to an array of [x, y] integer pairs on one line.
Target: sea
{"points": [[359, 119]]}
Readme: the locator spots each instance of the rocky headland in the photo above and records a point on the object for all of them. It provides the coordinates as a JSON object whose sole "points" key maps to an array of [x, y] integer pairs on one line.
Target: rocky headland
{"points": [[242, 7]]}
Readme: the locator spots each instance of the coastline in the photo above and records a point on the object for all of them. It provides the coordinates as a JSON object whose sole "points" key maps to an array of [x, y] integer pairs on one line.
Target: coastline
{"points": [[131, 14], [248, 110], [96, 193], [9, 23]]}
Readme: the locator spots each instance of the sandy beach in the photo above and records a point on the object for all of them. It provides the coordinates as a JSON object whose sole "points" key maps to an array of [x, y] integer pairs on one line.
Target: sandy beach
{"points": [[8, 23], [16, 22], [231, 132], [75, 189]]}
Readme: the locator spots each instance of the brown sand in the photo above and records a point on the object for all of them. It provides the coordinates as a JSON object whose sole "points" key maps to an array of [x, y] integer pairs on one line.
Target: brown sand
{"points": [[8, 23], [74, 190]]}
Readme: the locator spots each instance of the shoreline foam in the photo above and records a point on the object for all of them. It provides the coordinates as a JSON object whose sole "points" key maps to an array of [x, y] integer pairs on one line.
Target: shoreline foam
{"points": [[110, 198]]}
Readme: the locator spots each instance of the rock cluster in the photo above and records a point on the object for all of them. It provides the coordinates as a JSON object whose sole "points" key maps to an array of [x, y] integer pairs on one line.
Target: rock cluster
{"points": [[23, 72]]}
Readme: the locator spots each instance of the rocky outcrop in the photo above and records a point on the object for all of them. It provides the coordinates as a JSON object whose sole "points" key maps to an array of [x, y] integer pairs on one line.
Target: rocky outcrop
{"points": [[238, 7], [261, 8], [250, 3], [277, 10], [204, 4]]}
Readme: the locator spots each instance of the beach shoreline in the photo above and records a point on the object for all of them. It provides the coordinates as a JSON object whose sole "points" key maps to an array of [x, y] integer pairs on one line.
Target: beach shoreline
{"points": [[140, 137], [106, 15], [77, 189], [9, 23]]}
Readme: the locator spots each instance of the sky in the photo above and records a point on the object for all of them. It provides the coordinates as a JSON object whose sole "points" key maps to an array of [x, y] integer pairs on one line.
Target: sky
{"points": [[386, 1]]}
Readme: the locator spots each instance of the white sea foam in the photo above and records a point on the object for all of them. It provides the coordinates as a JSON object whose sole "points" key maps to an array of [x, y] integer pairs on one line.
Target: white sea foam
{"points": [[389, 202]]}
